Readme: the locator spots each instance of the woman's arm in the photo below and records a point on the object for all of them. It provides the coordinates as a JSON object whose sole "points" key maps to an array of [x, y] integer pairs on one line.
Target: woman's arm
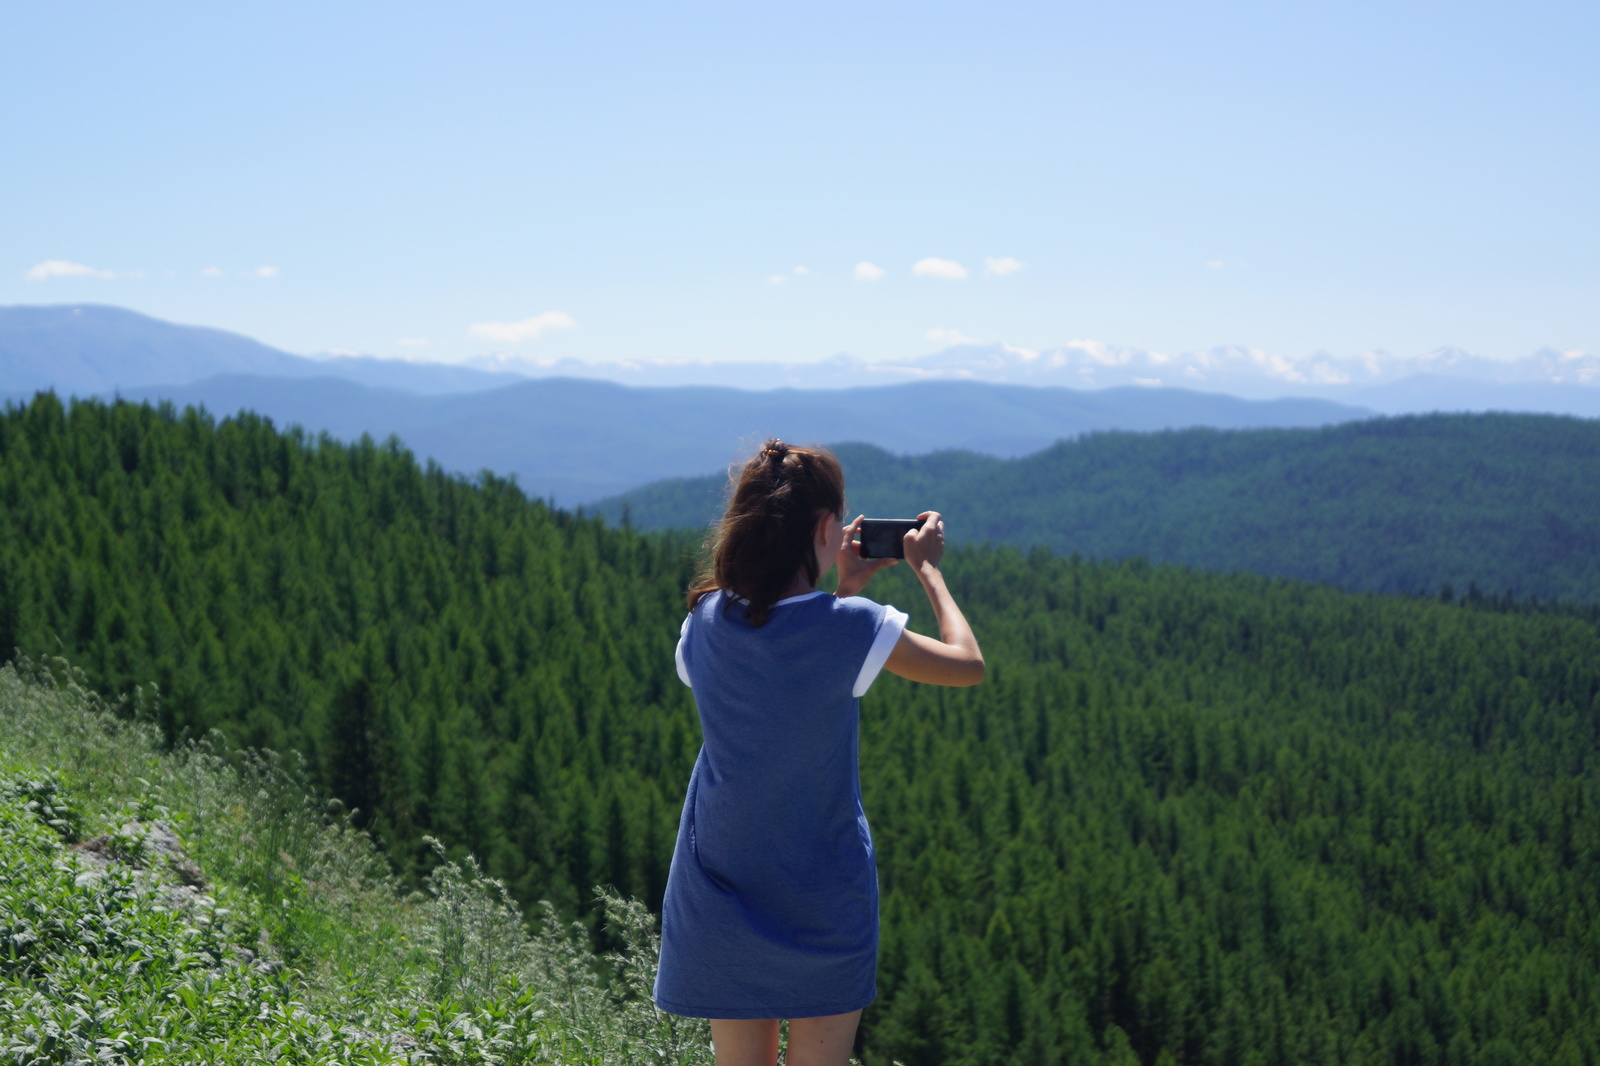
{"points": [[953, 659]]}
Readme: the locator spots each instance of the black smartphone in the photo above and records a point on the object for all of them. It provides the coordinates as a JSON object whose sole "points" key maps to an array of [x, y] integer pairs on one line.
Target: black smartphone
{"points": [[882, 538]]}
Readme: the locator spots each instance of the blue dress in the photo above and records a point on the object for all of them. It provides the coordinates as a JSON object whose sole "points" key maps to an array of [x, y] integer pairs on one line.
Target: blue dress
{"points": [[771, 907]]}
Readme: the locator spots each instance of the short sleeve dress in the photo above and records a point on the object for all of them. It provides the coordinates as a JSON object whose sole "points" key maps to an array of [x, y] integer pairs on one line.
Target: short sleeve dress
{"points": [[771, 907]]}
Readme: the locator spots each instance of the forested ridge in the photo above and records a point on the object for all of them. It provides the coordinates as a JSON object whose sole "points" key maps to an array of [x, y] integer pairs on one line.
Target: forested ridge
{"points": [[1190, 817], [1505, 502]]}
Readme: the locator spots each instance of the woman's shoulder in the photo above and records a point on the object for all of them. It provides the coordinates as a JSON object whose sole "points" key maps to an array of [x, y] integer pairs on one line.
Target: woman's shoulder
{"points": [[856, 603], [859, 607], [719, 607]]}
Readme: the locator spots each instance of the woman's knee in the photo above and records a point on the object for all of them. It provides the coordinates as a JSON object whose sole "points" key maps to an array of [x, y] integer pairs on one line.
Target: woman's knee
{"points": [[822, 1041], [745, 1041]]}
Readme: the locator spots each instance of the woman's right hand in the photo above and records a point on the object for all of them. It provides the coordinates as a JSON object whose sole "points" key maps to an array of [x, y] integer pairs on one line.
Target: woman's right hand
{"points": [[953, 659], [924, 546]]}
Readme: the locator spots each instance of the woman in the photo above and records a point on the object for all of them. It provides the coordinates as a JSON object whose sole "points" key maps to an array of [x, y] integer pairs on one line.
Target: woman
{"points": [[771, 908]]}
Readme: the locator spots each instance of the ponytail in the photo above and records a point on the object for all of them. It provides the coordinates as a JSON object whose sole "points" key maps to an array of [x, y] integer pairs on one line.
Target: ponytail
{"points": [[765, 536]]}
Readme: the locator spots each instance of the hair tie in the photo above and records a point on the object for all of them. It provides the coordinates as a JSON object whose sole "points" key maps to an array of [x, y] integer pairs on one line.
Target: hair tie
{"points": [[775, 449]]}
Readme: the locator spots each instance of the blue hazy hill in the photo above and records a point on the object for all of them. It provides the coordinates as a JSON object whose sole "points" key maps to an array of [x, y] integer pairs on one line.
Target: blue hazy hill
{"points": [[92, 349], [577, 441]]}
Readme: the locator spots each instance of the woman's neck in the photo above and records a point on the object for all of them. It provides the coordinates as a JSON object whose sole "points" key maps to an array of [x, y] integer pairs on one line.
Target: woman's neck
{"points": [[798, 587]]}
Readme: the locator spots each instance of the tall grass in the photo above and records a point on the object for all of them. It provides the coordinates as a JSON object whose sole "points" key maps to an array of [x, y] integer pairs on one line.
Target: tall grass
{"points": [[310, 950]]}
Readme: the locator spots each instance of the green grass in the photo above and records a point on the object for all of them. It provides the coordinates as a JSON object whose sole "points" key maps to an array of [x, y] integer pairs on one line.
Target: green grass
{"points": [[277, 933]]}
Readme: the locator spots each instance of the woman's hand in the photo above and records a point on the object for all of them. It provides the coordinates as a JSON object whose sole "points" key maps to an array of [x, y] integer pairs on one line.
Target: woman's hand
{"points": [[854, 571], [924, 546], [953, 659]]}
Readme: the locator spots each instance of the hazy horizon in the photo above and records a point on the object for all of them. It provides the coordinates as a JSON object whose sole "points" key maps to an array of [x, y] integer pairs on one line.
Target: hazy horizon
{"points": [[1081, 364]]}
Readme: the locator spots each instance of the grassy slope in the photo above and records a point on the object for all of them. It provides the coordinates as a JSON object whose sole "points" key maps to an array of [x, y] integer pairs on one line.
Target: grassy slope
{"points": [[296, 947]]}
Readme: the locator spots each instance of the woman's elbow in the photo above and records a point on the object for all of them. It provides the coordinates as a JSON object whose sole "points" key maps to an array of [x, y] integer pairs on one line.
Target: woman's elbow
{"points": [[971, 673]]}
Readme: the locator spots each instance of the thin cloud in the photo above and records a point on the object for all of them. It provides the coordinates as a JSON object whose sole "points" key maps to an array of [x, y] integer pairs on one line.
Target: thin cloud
{"points": [[948, 269], [61, 268], [1213, 264], [413, 342], [949, 337], [1002, 266], [866, 271], [526, 329], [211, 272], [266, 272], [777, 279]]}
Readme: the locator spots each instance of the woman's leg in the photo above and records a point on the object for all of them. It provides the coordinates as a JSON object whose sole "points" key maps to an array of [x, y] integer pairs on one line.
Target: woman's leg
{"points": [[821, 1041], [744, 1042]]}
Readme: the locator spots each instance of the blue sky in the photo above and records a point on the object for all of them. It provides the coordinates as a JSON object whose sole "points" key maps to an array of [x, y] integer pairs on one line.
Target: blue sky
{"points": [[624, 181]]}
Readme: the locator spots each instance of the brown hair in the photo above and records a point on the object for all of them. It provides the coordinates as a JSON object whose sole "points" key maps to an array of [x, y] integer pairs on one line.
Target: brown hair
{"points": [[764, 537]]}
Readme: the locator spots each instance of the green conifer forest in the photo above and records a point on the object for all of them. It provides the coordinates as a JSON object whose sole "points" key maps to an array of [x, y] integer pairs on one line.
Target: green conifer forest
{"points": [[1508, 504], [1189, 818]]}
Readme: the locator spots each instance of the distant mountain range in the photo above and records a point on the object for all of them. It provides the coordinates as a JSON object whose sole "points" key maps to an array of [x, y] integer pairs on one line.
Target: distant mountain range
{"points": [[577, 441], [1550, 381]]}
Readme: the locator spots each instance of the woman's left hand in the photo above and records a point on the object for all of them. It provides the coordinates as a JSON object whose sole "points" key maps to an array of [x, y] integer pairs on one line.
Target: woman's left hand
{"points": [[854, 571]]}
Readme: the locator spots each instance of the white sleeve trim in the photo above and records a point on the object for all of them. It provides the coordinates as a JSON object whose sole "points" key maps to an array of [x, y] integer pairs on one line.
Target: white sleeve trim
{"points": [[677, 655], [894, 623]]}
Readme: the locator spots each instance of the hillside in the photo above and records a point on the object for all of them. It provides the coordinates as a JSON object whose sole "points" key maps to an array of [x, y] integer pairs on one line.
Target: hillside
{"points": [[182, 907], [1189, 818], [1509, 504]]}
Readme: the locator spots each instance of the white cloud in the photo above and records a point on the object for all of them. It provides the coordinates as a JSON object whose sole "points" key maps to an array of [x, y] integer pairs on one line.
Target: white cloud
{"points": [[525, 330], [60, 268], [1275, 365], [801, 272], [266, 272], [866, 271], [1213, 264], [948, 269], [211, 272], [777, 279], [950, 337], [413, 342], [1002, 266], [1100, 352]]}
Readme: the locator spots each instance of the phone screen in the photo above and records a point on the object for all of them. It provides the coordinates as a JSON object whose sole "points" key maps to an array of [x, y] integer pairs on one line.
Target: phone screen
{"points": [[882, 538]]}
